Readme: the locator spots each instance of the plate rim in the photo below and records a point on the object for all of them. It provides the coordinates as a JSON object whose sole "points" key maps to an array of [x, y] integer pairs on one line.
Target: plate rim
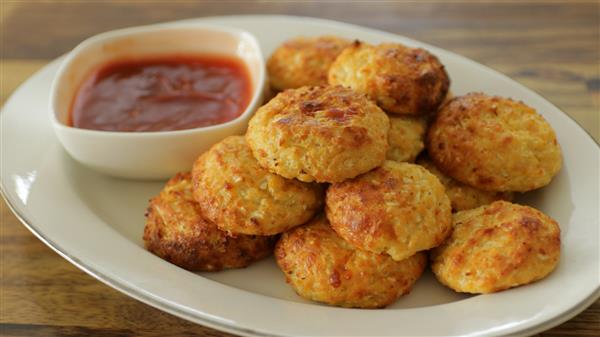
{"points": [[140, 296], [147, 299]]}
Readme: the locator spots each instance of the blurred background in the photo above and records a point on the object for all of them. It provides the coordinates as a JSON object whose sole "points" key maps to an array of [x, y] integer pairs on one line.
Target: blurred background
{"points": [[552, 47]]}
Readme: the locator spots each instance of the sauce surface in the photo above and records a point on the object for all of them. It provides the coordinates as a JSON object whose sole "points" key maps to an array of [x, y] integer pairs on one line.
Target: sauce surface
{"points": [[162, 94]]}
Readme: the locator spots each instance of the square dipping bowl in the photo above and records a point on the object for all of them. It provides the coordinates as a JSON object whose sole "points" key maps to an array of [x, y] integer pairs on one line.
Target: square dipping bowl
{"points": [[154, 154]]}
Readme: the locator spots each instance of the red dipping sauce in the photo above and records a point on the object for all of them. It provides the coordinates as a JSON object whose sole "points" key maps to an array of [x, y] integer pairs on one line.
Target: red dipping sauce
{"points": [[162, 94]]}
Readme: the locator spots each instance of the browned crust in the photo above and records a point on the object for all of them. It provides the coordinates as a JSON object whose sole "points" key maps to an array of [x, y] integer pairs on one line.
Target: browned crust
{"points": [[398, 209], [494, 144], [176, 231], [496, 247], [322, 134], [322, 267], [240, 196], [303, 61], [426, 79], [400, 79]]}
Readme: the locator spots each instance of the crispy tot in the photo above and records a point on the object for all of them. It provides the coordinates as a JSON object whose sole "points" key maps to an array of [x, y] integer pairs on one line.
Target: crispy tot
{"points": [[303, 61], [322, 267], [322, 134], [177, 232], [494, 144], [496, 247], [401, 80], [398, 209], [240, 196]]}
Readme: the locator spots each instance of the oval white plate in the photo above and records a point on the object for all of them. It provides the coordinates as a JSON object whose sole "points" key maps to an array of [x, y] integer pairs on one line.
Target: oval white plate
{"points": [[96, 222]]}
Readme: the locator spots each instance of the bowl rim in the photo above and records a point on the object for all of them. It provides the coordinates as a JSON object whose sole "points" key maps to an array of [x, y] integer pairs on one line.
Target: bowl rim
{"points": [[240, 34]]}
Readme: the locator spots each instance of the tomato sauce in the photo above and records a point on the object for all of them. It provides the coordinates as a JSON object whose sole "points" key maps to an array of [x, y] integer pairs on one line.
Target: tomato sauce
{"points": [[162, 94]]}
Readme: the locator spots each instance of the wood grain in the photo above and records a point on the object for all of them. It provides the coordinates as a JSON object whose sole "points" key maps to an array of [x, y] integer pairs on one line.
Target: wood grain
{"points": [[551, 47], [548, 46]]}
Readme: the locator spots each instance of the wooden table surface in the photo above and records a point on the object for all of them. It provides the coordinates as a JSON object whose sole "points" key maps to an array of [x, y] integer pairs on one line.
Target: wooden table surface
{"points": [[550, 47]]}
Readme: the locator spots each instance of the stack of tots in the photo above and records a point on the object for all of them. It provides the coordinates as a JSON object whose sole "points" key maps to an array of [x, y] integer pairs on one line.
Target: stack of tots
{"points": [[328, 164]]}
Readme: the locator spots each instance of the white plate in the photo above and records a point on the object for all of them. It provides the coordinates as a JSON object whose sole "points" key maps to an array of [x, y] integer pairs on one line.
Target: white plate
{"points": [[96, 222]]}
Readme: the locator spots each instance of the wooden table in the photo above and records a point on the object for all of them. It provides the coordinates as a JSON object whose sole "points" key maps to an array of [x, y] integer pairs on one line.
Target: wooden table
{"points": [[550, 47]]}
